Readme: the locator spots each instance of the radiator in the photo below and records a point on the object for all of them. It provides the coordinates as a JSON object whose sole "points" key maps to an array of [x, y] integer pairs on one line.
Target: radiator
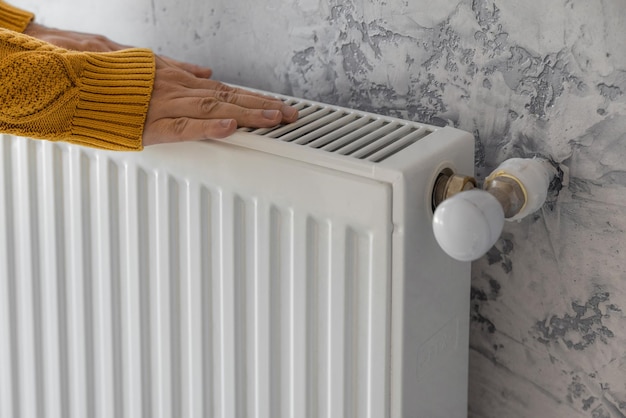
{"points": [[286, 272]]}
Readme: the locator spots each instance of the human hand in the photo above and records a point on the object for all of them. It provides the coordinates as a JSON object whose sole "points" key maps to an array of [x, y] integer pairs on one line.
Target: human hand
{"points": [[88, 42], [185, 107], [185, 104], [75, 41]]}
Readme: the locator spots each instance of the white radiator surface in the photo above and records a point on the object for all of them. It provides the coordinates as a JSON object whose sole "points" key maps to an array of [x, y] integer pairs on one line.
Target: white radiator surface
{"points": [[274, 274]]}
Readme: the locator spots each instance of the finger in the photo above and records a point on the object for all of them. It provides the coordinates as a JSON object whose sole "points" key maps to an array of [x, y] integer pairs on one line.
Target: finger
{"points": [[289, 113], [211, 108], [187, 129], [203, 102], [217, 86]]}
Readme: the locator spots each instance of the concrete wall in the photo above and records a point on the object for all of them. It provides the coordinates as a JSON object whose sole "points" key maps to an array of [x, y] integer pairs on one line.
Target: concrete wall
{"points": [[535, 77]]}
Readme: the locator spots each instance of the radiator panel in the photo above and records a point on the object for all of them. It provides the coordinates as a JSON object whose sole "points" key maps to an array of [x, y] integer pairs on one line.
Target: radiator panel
{"points": [[190, 285]]}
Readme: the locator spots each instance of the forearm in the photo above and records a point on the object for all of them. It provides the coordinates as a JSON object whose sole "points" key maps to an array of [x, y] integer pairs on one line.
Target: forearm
{"points": [[93, 99]]}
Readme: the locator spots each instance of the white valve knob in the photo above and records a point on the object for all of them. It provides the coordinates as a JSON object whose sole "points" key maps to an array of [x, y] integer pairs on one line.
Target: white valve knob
{"points": [[468, 224]]}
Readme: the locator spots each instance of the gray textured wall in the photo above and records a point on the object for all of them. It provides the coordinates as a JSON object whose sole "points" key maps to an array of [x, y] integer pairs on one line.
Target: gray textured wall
{"points": [[548, 333]]}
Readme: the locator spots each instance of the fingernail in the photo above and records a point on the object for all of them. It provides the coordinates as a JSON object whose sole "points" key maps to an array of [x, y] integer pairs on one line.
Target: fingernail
{"points": [[226, 123], [289, 112], [271, 114]]}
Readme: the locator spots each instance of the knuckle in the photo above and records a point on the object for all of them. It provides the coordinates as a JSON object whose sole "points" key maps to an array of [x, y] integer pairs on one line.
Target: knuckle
{"points": [[179, 126], [225, 96], [207, 104], [222, 87]]}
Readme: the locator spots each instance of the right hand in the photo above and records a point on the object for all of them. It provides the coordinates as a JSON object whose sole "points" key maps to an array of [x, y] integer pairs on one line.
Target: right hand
{"points": [[185, 107]]}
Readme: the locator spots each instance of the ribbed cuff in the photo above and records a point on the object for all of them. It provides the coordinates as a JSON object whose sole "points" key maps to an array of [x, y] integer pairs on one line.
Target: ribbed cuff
{"points": [[115, 90], [13, 18]]}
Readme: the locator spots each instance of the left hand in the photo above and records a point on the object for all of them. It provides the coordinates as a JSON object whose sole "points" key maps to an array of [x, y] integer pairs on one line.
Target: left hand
{"points": [[79, 41]]}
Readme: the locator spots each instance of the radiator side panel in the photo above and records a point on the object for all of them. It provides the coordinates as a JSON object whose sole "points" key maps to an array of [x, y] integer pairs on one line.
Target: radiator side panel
{"points": [[430, 310]]}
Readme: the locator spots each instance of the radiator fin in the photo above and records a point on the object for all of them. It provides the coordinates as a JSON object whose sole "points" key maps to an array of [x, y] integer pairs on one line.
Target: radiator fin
{"points": [[163, 296], [360, 135]]}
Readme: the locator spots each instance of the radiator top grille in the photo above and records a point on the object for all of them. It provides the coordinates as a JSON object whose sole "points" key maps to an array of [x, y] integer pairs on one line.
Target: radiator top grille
{"points": [[360, 135]]}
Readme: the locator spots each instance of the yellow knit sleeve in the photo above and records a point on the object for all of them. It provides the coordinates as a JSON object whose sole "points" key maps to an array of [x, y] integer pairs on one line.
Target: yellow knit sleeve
{"points": [[93, 99], [13, 18]]}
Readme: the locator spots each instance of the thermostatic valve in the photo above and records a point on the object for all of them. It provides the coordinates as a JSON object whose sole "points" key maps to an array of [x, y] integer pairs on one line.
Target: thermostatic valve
{"points": [[467, 223]]}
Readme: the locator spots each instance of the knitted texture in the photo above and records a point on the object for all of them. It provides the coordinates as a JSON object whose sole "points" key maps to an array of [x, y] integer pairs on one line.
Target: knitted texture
{"points": [[92, 99], [13, 18]]}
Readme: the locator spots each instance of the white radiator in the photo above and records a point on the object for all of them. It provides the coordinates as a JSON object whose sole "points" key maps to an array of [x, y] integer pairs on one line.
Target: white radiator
{"points": [[287, 272]]}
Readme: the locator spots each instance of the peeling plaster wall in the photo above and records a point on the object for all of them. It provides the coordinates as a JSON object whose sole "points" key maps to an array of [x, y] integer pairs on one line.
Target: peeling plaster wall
{"points": [[548, 331]]}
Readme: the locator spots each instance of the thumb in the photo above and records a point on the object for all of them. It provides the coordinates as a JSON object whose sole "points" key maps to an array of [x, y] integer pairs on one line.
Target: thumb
{"points": [[187, 129]]}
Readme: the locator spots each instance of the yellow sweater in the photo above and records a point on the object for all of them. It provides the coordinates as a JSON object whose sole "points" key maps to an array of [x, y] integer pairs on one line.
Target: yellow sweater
{"points": [[93, 99]]}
